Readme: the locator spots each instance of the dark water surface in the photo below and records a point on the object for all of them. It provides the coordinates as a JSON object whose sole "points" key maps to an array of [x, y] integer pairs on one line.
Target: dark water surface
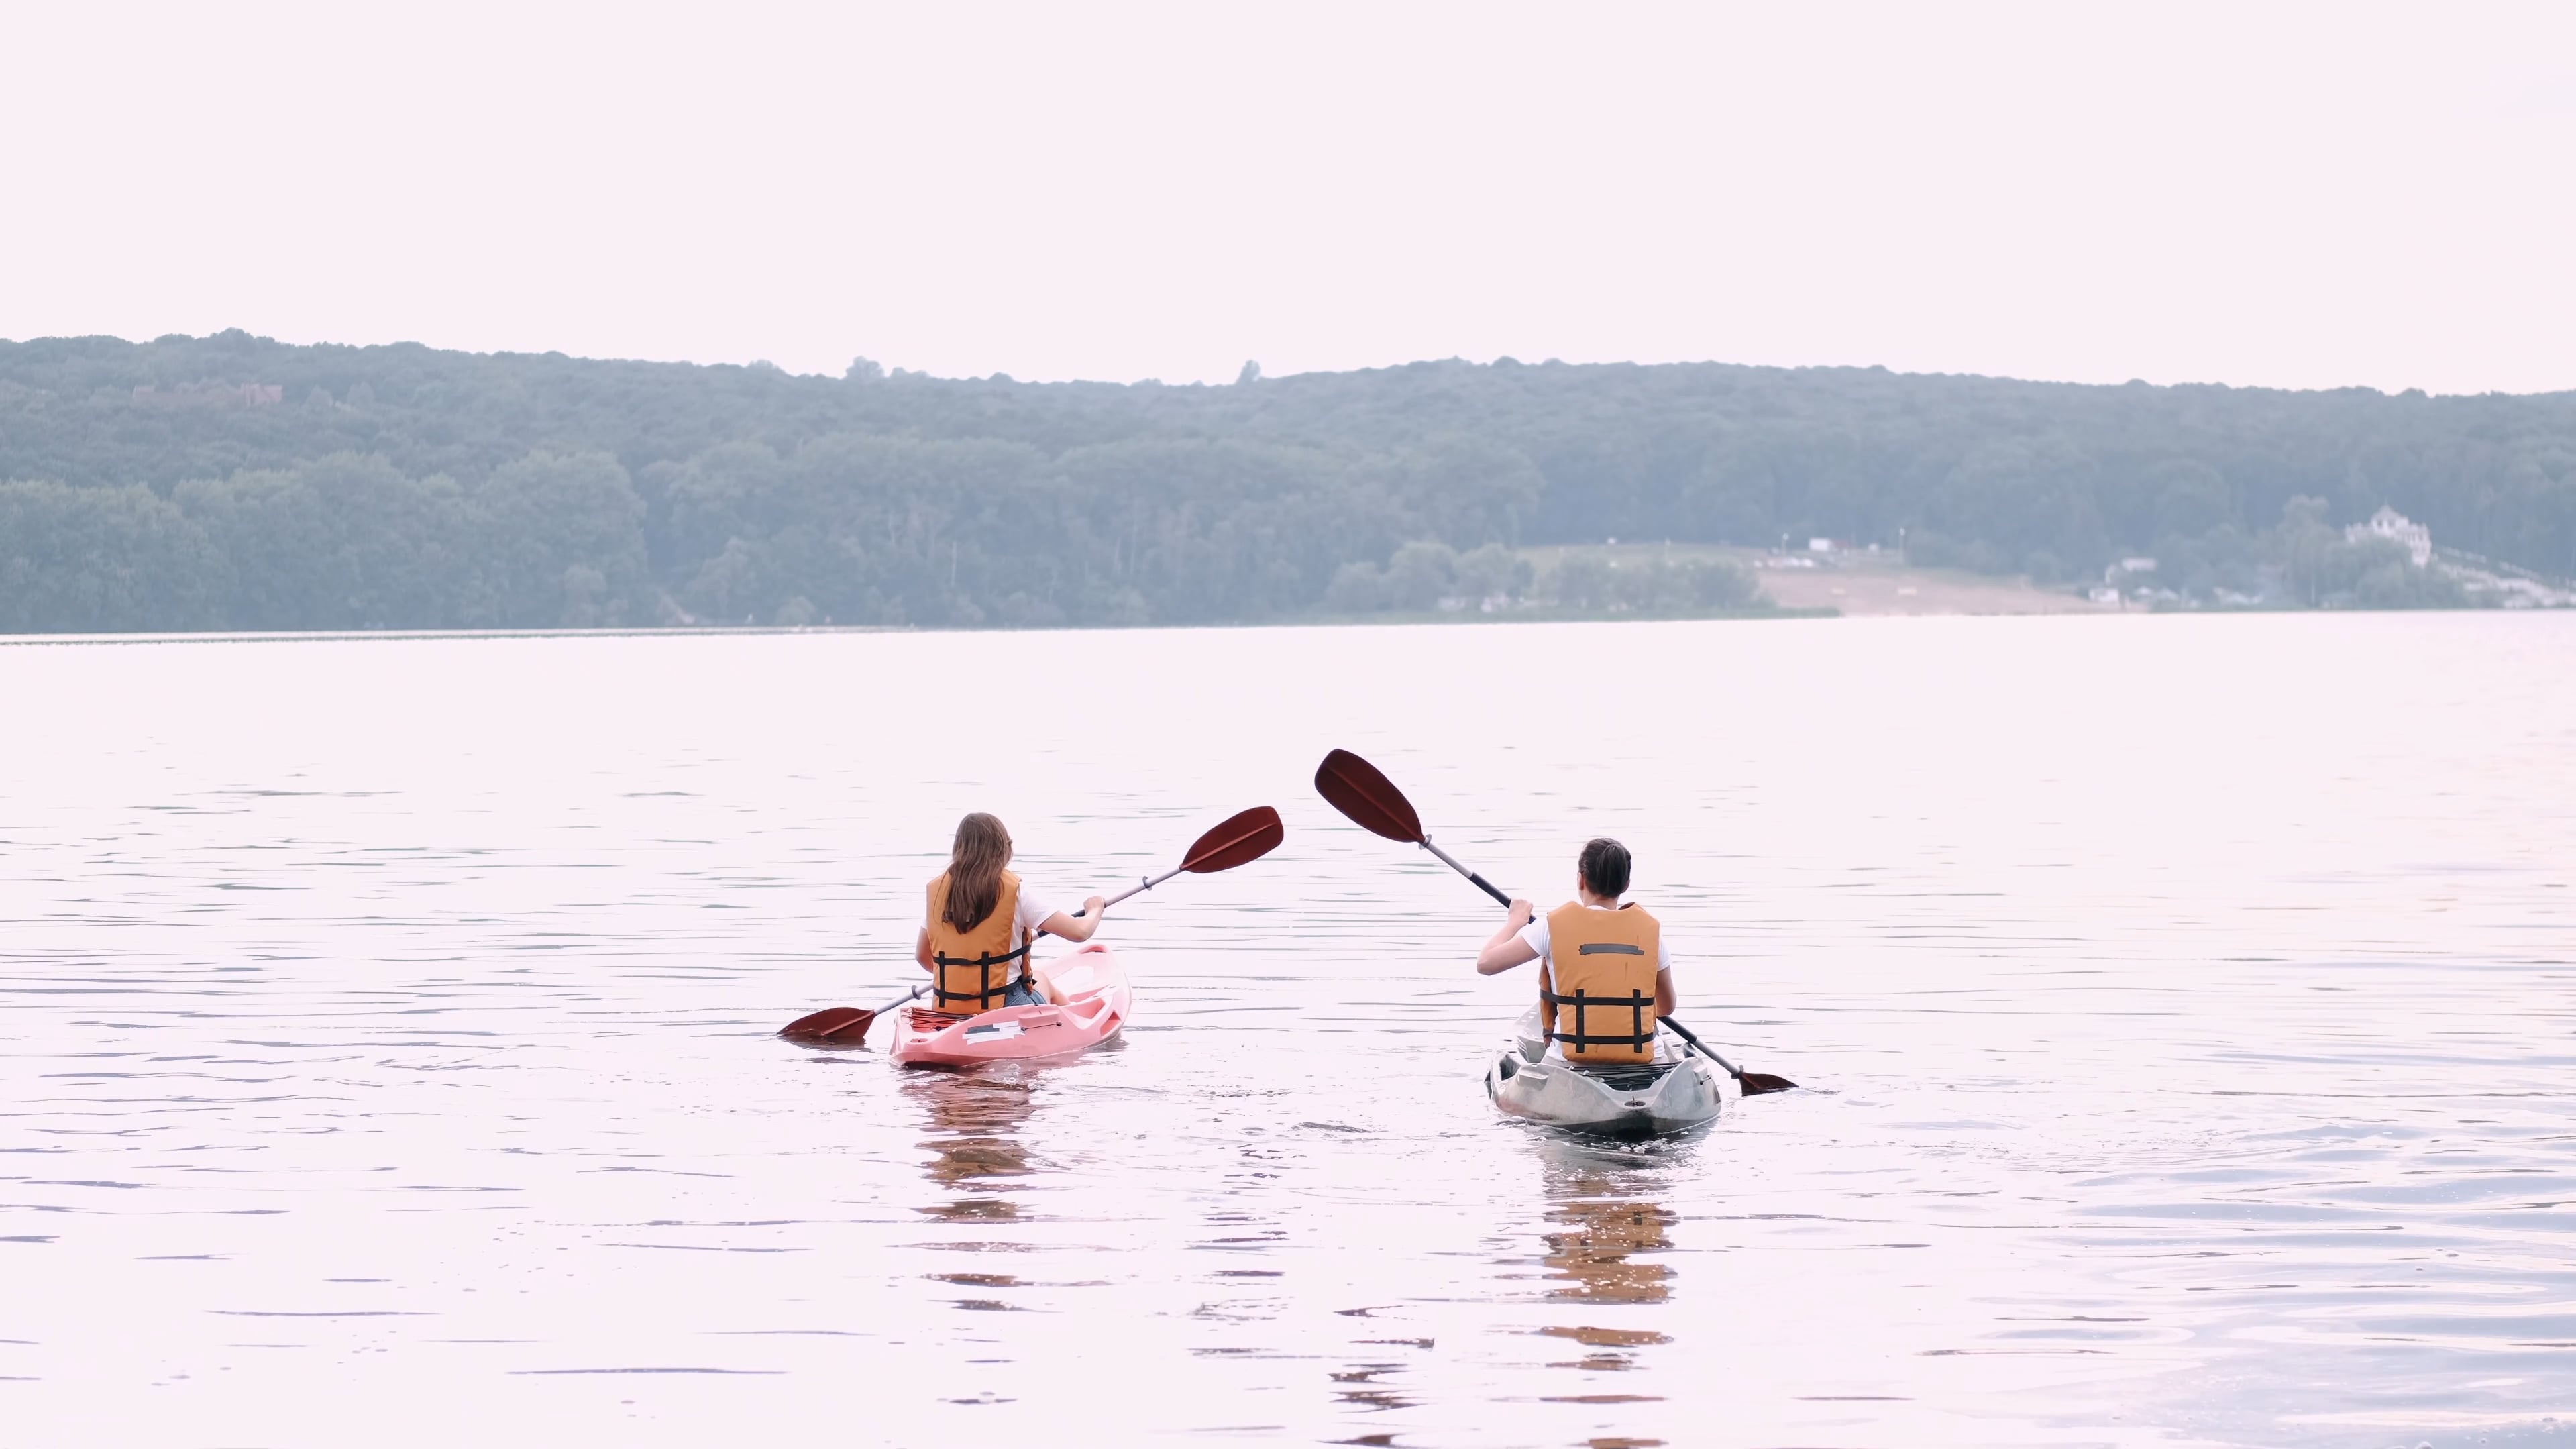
{"points": [[2186, 1005]]}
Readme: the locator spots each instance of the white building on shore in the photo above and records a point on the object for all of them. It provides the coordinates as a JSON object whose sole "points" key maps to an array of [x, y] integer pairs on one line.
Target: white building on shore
{"points": [[2396, 527]]}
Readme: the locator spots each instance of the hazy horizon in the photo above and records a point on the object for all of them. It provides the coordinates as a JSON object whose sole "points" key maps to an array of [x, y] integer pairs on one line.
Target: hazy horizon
{"points": [[1272, 374], [2301, 197]]}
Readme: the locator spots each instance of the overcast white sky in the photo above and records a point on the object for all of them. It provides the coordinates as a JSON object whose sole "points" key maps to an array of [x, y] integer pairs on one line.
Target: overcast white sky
{"points": [[2288, 195]]}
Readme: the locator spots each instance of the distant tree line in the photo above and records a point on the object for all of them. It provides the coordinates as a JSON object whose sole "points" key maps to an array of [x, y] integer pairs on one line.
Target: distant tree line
{"points": [[234, 482], [343, 542]]}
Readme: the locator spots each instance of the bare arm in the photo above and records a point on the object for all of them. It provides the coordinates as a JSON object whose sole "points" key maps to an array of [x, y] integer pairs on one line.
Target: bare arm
{"points": [[1076, 928], [1507, 950]]}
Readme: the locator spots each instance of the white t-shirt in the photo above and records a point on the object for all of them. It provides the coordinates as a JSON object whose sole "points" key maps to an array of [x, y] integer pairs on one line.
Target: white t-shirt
{"points": [[1031, 912]]}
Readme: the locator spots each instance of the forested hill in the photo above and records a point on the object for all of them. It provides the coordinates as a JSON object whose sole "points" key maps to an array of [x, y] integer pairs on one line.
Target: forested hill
{"points": [[235, 482]]}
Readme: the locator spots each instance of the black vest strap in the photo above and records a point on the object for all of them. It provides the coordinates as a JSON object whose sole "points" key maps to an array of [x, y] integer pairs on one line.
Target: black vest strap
{"points": [[985, 998], [1640, 1018]]}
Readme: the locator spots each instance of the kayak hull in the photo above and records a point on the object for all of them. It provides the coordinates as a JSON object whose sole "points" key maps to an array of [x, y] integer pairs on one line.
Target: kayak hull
{"points": [[1097, 1002], [1675, 1093]]}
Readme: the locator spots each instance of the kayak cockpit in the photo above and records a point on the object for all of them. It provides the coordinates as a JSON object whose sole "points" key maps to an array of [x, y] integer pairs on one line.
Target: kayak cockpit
{"points": [[1675, 1092], [1098, 999]]}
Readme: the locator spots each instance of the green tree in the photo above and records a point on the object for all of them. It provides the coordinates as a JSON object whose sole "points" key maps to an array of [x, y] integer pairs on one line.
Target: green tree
{"points": [[343, 542], [102, 559], [561, 543]]}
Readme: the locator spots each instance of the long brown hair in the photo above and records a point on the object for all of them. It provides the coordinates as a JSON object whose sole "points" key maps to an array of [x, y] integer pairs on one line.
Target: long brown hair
{"points": [[975, 870]]}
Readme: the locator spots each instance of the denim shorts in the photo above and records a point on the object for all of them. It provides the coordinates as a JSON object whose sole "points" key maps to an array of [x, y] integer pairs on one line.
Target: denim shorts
{"points": [[1024, 992]]}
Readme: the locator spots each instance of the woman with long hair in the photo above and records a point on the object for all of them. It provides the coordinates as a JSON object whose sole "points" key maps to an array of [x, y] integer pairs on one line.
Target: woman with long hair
{"points": [[980, 923]]}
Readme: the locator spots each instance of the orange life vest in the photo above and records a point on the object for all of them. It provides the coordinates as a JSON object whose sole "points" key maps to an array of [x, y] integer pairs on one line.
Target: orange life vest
{"points": [[1601, 983], [973, 968]]}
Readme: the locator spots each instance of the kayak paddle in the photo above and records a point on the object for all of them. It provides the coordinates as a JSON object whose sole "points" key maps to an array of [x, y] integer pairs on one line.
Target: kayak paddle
{"points": [[1354, 787], [1238, 841], [1753, 1083], [1357, 789], [842, 1025]]}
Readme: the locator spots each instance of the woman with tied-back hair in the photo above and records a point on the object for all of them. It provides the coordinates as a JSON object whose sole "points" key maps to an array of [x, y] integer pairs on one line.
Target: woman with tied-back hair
{"points": [[980, 924]]}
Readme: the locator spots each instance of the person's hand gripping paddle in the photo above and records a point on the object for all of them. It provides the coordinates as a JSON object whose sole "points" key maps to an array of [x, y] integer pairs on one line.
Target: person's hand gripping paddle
{"points": [[1239, 841], [1354, 787]]}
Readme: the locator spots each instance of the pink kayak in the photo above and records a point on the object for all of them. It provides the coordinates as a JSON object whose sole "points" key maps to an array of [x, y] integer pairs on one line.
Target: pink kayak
{"points": [[1097, 1000]]}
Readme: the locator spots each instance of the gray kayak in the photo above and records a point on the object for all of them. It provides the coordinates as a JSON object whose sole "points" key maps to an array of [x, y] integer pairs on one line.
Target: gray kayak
{"points": [[1675, 1092]]}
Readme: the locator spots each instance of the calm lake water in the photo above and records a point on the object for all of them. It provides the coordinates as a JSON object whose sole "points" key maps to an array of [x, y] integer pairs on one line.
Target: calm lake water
{"points": [[2184, 1004]]}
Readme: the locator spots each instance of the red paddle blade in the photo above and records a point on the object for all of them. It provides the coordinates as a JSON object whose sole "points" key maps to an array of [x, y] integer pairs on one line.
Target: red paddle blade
{"points": [[1239, 841], [842, 1024], [1354, 787]]}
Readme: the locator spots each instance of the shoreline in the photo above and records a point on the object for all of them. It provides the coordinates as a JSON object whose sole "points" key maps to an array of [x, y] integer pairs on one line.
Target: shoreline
{"points": [[687, 631]]}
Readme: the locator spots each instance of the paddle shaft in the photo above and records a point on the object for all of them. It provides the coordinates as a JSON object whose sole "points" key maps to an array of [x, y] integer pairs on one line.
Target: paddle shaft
{"points": [[1246, 837], [844, 1020], [1702, 1048], [1141, 886], [1451, 861], [868, 1022]]}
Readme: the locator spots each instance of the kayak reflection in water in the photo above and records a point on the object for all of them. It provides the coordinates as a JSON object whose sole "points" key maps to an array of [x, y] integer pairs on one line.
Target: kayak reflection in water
{"points": [[1604, 972], [980, 923]]}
